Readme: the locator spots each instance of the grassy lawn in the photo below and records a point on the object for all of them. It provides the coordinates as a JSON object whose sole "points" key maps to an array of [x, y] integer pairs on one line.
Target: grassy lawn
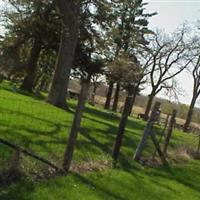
{"points": [[31, 123]]}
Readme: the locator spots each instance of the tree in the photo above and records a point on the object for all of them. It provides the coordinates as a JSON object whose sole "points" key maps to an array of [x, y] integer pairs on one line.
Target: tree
{"points": [[31, 71], [96, 81], [92, 68], [126, 33], [29, 31], [76, 11], [45, 70], [169, 60], [195, 71], [128, 71], [109, 95], [69, 37], [88, 62], [145, 63], [116, 97]]}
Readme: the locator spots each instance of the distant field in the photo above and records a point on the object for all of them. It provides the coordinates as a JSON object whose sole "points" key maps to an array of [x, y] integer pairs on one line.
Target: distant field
{"points": [[136, 110]]}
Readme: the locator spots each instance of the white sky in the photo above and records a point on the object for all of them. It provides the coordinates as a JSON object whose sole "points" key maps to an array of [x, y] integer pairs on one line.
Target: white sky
{"points": [[171, 14], [3, 6]]}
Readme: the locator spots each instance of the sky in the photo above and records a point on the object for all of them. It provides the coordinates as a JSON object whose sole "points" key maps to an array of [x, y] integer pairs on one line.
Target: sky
{"points": [[2, 7], [171, 14]]}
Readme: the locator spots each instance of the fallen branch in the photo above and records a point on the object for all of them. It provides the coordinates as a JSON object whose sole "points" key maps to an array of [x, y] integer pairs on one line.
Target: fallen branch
{"points": [[28, 153]]}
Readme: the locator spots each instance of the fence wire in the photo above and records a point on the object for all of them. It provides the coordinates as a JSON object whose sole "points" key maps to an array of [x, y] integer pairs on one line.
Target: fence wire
{"points": [[34, 125]]}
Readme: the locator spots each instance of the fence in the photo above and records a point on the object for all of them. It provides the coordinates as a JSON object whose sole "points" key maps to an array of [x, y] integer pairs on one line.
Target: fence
{"points": [[41, 129], [35, 126]]}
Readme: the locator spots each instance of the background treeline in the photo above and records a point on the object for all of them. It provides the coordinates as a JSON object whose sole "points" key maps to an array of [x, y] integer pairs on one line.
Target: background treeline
{"points": [[140, 102]]}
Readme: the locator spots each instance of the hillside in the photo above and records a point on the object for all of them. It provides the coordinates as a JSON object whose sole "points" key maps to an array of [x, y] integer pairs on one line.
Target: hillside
{"points": [[33, 124]]}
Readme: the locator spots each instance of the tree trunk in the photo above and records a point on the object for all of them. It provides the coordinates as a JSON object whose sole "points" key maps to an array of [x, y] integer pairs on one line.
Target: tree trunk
{"points": [[132, 102], [42, 85], [70, 13], [169, 132], [76, 125], [121, 128], [166, 123], [147, 131], [29, 80], [189, 115], [109, 96], [116, 98], [92, 98], [148, 107], [136, 89]]}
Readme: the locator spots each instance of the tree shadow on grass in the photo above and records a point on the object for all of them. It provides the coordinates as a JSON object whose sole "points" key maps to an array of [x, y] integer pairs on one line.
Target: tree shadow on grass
{"points": [[101, 189], [130, 183], [103, 142], [24, 190], [131, 126], [19, 191], [27, 116], [44, 147], [183, 175]]}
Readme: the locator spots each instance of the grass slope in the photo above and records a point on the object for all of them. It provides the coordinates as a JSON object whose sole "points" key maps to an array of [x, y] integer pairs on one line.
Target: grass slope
{"points": [[33, 124]]}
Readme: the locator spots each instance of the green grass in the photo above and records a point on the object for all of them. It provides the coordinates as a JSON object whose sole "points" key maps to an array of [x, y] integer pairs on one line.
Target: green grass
{"points": [[31, 123]]}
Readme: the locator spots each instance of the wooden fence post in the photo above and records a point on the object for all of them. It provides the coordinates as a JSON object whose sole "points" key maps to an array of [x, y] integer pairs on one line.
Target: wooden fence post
{"points": [[162, 134], [169, 132], [160, 153], [14, 162], [147, 131]]}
